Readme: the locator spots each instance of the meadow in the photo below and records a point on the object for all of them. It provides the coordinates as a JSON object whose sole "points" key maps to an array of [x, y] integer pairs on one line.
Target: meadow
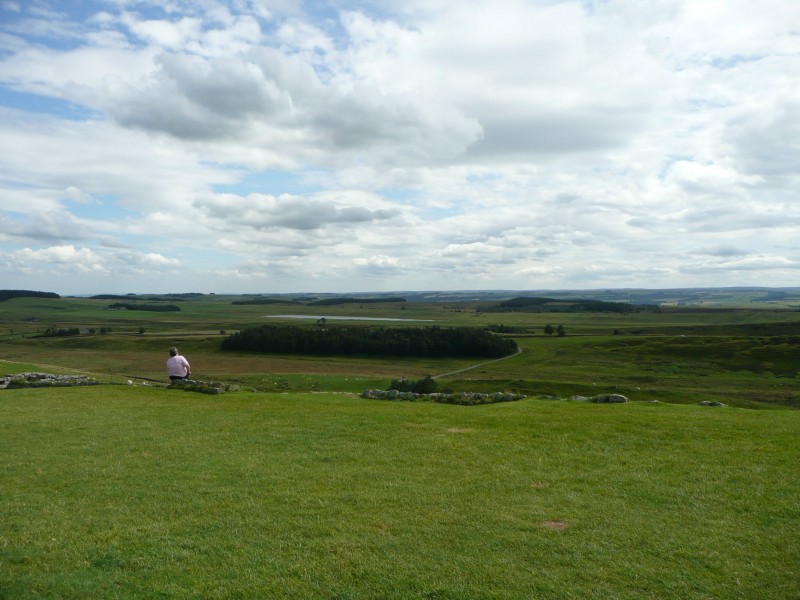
{"points": [[744, 356], [295, 487]]}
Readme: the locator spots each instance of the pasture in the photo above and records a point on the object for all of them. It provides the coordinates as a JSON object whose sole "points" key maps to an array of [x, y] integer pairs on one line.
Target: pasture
{"points": [[743, 357], [119, 491], [295, 487]]}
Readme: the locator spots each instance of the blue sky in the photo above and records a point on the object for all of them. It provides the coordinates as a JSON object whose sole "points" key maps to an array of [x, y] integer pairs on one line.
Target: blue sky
{"points": [[289, 146]]}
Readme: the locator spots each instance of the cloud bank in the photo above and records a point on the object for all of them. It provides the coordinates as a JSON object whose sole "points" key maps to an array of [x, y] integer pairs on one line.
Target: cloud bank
{"points": [[289, 146]]}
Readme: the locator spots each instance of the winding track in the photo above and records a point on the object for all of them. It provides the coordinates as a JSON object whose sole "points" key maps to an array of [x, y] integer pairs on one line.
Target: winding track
{"points": [[488, 362]]}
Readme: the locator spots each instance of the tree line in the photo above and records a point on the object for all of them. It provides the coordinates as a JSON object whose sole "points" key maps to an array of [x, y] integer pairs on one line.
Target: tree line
{"points": [[537, 304], [149, 307], [9, 294], [351, 300], [137, 298], [383, 341]]}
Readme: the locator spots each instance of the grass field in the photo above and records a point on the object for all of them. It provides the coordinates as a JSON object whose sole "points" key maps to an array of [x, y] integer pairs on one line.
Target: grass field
{"points": [[743, 357], [295, 487], [129, 492]]}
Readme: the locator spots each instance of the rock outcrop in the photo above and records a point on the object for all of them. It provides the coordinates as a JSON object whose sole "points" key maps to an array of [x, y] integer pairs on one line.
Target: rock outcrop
{"points": [[610, 399], [463, 398], [712, 403], [203, 387], [29, 380]]}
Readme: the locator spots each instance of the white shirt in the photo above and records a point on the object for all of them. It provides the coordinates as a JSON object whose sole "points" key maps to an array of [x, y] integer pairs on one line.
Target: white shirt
{"points": [[177, 366]]}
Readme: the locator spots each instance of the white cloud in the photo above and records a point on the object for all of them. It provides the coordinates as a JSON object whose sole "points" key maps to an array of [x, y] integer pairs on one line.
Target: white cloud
{"points": [[421, 144], [766, 141], [265, 213], [379, 265], [77, 259], [145, 260], [749, 263], [48, 226], [173, 35], [48, 153]]}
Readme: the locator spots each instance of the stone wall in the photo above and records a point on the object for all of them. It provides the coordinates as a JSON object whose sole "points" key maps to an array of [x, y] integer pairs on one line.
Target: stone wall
{"points": [[26, 380]]}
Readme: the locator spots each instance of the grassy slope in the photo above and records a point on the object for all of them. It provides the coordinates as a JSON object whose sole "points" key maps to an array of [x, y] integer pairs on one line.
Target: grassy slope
{"points": [[742, 357], [136, 492]]}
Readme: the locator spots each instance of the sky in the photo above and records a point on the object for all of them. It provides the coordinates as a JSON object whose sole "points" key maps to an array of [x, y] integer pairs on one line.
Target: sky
{"points": [[275, 146]]}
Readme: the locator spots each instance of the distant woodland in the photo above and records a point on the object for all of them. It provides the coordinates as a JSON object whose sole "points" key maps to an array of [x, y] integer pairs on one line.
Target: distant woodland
{"points": [[349, 300], [380, 341], [148, 307], [537, 304], [9, 294]]}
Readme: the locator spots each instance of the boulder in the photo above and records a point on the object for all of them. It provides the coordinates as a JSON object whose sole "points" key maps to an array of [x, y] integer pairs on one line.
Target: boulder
{"points": [[610, 399]]}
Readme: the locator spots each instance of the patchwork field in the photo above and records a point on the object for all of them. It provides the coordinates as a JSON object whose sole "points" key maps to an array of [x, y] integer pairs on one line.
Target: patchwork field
{"points": [[742, 356], [295, 487]]}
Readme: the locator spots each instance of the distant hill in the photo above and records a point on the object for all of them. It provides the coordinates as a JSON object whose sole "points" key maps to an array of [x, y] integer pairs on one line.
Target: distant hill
{"points": [[145, 297], [9, 294], [351, 300], [700, 297], [259, 301], [787, 298]]}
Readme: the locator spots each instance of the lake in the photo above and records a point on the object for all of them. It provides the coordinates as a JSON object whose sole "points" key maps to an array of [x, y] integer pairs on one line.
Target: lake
{"points": [[341, 318]]}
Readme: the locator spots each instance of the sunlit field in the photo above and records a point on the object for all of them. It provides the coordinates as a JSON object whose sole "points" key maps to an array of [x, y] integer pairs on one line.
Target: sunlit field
{"points": [[119, 491], [296, 487], [744, 357]]}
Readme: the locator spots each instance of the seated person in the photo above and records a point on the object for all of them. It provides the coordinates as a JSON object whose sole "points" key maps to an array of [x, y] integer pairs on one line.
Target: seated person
{"points": [[177, 366]]}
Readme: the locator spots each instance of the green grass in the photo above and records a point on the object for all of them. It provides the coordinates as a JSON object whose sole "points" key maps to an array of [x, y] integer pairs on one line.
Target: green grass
{"points": [[745, 358], [130, 492], [300, 489]]}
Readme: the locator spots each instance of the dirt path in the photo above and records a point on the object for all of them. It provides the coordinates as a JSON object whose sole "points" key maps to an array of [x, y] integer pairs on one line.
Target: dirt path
{"points": [[488, 362]]}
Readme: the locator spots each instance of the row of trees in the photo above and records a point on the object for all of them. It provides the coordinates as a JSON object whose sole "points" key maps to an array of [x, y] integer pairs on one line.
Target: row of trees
{"points": [[9, 294], [383, 341], [349, 300], [56, 331], [538, 304], [550, 330], [148, 307], [61, 331]]}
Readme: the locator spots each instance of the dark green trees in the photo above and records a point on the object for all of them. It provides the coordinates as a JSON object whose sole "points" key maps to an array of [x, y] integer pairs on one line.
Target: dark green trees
{"points": [[379, 341]]}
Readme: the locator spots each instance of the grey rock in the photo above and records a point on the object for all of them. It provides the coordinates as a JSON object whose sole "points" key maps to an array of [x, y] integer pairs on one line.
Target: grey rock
{"points": [[25, 380], [610, 399]]}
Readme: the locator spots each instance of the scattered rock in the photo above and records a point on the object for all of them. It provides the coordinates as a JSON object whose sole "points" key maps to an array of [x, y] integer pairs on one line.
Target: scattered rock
{"points": [[30, 380], [712, 403], [203, 387], [609, 399], [463, 398]]}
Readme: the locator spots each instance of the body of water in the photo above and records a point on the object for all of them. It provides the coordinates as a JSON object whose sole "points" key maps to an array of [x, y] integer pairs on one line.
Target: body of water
{"points": [[327, 318]]}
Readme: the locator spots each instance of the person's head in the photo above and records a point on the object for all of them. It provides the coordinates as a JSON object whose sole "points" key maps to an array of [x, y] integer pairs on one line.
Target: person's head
{"points": [[173, 352]]}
